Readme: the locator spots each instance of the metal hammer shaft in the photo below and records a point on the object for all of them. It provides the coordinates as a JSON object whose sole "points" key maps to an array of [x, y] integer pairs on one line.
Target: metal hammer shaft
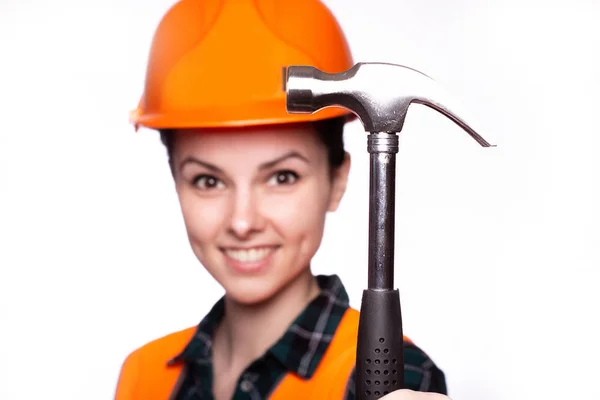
{"points": [[382, 187]]}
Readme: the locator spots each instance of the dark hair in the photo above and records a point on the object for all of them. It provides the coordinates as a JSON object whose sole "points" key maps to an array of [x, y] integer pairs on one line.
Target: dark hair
{"points": [[330, 132]]}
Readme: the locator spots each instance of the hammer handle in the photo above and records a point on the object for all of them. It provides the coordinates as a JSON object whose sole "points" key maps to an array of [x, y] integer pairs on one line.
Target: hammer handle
{"points": [[380, 349], [380, 354]]}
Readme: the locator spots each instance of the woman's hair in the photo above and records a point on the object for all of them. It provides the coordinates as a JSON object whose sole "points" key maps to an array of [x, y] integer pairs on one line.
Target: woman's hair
{"points": [[329, 131]]}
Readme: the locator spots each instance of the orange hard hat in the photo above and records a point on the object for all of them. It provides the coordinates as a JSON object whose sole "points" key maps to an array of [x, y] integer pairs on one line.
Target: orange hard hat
{"points": [[220, 63]]}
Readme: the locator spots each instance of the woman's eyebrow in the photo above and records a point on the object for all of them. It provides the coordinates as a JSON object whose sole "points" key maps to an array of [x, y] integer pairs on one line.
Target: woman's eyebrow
{"points": [[267, 165], [291, 154], [194, 160]]}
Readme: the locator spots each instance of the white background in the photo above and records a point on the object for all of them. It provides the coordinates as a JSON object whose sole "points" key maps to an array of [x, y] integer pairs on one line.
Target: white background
{"points": [[498, 250]]}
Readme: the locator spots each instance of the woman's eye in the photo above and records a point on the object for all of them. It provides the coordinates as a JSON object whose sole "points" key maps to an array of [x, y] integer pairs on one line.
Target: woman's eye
{"points": [[206, 182], [283, 178]]}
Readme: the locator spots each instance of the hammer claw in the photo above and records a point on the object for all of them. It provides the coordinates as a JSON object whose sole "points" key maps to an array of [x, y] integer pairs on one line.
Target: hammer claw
{"points": [[454, 116]]}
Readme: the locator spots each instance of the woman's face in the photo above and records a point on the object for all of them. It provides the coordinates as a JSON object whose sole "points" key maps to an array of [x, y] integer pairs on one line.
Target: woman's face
{"points": [[254, 203]]}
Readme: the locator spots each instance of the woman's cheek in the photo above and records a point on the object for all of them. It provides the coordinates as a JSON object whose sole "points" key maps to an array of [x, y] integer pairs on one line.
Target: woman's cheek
{"points": [[297, 213], [203, 216]]}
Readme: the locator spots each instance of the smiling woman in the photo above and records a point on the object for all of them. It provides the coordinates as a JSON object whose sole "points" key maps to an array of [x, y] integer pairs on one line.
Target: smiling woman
{"points": [[255, 185], [254, 204]]}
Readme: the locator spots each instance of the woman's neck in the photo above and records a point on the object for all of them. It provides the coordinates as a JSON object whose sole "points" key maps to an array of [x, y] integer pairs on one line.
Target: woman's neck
{"points": [[248, 331]]}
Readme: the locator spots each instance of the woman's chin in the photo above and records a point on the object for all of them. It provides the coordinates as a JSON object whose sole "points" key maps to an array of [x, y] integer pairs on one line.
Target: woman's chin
{"points": [[250, 293]]}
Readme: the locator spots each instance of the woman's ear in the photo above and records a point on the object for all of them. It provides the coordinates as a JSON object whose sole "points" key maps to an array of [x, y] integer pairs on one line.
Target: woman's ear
{"points": [[340, 180]]}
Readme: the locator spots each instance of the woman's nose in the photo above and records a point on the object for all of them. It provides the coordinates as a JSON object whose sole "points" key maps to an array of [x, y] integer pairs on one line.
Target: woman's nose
{"points": [[245, 216]]}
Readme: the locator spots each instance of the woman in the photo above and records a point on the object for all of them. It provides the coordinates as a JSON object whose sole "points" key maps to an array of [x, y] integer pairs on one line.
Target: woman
{"points": [[254, 184]]}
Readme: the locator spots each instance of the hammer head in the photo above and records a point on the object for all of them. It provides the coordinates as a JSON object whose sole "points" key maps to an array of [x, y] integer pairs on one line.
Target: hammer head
{"points": [[378, 93]]}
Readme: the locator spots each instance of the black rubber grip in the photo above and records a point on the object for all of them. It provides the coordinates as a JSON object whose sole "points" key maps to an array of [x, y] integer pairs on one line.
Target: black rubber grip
{"points": [[380, 352]]}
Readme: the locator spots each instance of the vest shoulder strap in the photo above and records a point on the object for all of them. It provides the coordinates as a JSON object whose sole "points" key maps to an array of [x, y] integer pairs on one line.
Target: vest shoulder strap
{"points": [[330, 379], [145, 374]]}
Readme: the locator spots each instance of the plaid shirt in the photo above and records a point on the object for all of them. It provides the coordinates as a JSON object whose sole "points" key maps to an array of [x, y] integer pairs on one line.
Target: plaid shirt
{"points": [[298, 351]]}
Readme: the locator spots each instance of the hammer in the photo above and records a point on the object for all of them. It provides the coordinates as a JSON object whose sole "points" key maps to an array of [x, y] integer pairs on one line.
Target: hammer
{"points": [[379, 94]]}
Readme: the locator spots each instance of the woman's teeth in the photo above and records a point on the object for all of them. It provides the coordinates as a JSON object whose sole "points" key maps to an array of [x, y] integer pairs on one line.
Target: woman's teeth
{"points": [[250, 255]]}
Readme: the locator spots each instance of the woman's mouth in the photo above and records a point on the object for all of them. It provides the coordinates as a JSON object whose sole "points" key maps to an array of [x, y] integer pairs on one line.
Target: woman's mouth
{"points": [[251, 259], [249, 255]]}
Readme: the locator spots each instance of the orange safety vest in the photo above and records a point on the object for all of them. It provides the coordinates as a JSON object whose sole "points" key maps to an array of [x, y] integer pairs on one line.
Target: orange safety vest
{"points": [[146, 376]]}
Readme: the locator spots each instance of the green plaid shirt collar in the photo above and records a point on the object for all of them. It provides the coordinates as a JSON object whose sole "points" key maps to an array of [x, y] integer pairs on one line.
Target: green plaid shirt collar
{"points": [[299, 350]]}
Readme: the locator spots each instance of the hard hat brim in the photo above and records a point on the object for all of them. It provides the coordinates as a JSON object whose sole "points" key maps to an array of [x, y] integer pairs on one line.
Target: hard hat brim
{"points": [[231, 117]]}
